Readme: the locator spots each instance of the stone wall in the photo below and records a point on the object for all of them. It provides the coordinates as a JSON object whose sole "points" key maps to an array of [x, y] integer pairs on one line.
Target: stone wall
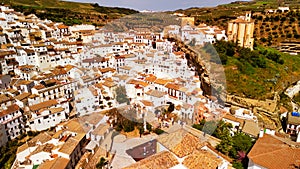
{"points": [[267, 106]]}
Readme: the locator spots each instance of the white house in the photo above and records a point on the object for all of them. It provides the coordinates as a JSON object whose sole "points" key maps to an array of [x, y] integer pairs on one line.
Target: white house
{"points": [[12, 120]]}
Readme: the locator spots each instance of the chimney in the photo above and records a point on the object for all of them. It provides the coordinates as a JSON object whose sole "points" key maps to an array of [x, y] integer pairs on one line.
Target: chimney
{"points": [[4, 107], [261, 133], [298, 137]]}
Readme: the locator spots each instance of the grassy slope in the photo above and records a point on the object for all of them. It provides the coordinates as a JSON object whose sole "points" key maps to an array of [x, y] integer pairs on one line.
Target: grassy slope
{"points": [[258, 82], [69, 12], [74, 6]]}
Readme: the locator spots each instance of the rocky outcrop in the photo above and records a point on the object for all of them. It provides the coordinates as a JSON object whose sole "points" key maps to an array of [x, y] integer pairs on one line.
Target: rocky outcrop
{"points": [[267, 105], [195, 59], [192, 58]]}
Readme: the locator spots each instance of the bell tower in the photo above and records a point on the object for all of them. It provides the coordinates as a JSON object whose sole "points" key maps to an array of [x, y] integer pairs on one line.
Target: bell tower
{"points": [[248, 16]]}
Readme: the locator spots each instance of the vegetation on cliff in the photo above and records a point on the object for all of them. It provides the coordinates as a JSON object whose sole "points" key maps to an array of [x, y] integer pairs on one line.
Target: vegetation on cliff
{"points": [[258, 73]]}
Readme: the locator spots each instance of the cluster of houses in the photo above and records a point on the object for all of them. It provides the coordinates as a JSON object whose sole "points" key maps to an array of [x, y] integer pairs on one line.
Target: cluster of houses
{"points": [[60, 77], [65, 147], [280, 9], [52, 72], [196, 35]]}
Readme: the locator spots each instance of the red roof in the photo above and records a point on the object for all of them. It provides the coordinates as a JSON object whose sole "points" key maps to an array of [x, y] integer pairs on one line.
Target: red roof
{"points": [[270, 152]]}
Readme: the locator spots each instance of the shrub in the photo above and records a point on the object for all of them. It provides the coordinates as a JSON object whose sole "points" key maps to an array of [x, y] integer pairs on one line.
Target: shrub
{"points": [[158, 131], [283, 19]]}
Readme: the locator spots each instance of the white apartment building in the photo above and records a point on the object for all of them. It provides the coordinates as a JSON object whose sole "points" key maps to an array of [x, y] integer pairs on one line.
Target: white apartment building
{"points": [[12, 120]]}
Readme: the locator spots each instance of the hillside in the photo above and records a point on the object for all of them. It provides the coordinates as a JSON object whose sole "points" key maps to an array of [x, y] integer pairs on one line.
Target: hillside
{"points": [[69, 12], [244, 77], [273, 28], [270, 29], [258, 73], [221, 14]]}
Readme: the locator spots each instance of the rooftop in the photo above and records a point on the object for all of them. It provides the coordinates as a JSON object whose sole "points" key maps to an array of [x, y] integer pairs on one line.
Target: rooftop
{"points": [[58, 162], [9, 110], [270, 152], [202, 159], [180, 142], [101, 129], [155, 93], [233, 118], [69, 146], [162, 160], [42, 138], [77, 126], [143, 151], [293, 119], [251, 128], [45, 104]]}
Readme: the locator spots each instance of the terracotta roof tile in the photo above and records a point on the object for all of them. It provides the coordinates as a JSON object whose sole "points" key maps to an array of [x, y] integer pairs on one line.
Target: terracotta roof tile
{"points": [[202, 160], [180, 142], [138, 82], [155, 93], [147, 103], [58, 162], [162, 81], [270, 152], [150, 78], [162, 160], [45, 104], [233, 118], [251, 128], [9, 110]]}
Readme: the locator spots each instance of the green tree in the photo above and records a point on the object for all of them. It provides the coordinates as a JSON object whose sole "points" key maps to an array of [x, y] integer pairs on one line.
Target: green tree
{"points": [[223, 58], [225, 145], [200, 125], [141, 129], [222, 130], [237, 165], [263, 40], [128, 125], [158, 131], [149, 127], [241, 142], [283, 19], [101, 163]]}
